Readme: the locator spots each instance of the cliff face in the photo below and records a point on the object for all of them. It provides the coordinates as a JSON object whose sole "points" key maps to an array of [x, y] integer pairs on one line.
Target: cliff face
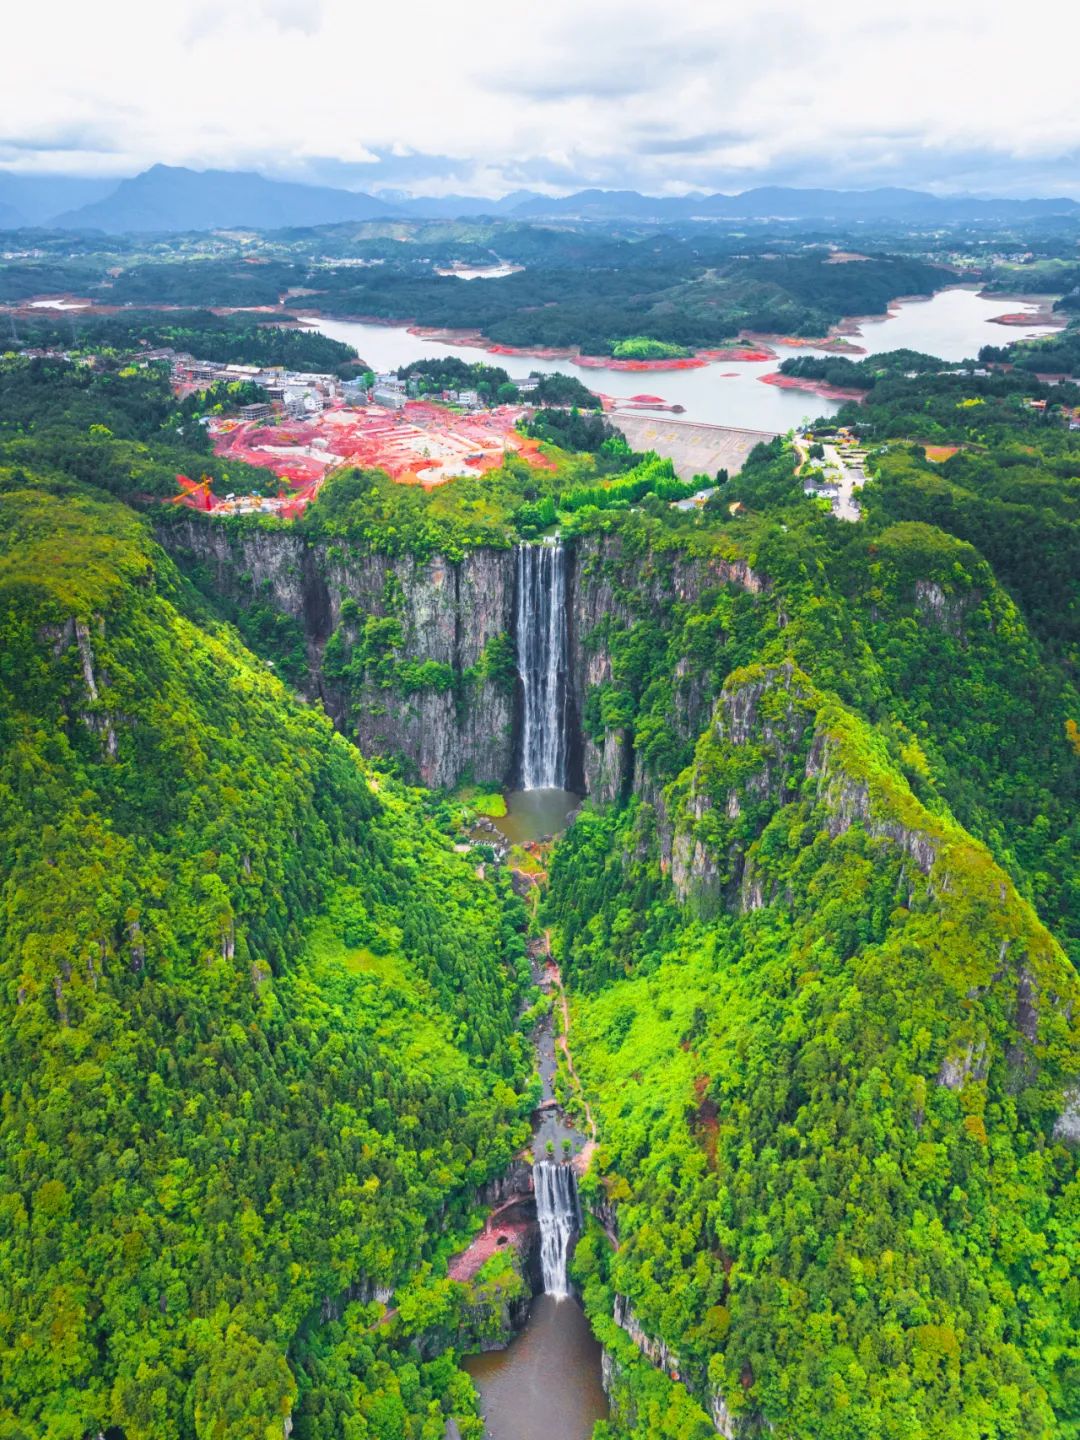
{"points": [[431, 695], [613, 591], [453, 721], [449, 614]]}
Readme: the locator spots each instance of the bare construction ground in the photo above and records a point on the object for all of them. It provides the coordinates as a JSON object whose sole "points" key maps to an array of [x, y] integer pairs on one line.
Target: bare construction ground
{"points": [[694, 449]]}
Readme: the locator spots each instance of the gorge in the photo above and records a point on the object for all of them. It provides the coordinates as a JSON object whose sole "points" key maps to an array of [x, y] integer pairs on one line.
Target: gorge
{"points": [[810, 923], [540, 727], [488, 667]]}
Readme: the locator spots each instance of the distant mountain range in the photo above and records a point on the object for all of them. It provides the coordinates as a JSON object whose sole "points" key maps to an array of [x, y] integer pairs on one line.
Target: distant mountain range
{"points": [[171, 198], [167, 197], [776, 202], [38, 199]]}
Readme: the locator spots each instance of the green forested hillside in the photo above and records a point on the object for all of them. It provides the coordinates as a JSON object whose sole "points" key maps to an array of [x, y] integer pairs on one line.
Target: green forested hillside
{"points": [[828, 1040], [827, 1086], [117, 427], [261, 1040], [228, 339], [259, 1020]]}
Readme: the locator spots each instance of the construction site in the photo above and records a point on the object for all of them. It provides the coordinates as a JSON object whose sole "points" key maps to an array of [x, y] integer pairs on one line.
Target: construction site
{"points": [[420, 443]]}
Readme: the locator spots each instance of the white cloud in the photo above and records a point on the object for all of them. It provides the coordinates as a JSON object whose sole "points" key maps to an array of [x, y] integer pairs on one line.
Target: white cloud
{"points": [[663, 96]]}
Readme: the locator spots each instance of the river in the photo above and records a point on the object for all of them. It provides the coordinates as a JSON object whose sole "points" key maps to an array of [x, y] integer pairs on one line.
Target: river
{"points": [[954, 324], [546, 1385]]}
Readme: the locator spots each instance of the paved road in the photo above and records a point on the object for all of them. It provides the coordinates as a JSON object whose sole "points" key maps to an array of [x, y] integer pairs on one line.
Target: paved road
{"points": [[845, 506]]}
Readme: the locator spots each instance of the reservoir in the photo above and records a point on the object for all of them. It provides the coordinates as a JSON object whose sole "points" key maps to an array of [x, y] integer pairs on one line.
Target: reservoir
{"points": [[953, 325]]}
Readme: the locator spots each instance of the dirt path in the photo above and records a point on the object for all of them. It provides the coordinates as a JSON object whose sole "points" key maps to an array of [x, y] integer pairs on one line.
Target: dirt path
{"points": [[554, 976]]}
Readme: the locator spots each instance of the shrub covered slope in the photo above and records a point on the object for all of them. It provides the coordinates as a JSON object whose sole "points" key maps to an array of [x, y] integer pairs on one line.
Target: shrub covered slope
{"points": [[215, 1114]]}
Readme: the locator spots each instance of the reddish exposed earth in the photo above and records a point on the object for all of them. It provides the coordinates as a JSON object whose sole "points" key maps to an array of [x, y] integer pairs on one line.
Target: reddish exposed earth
{"points": [[496, 1235], [746, 354], [814, 387], [1042, 318], [424, 444], [835, 343]]}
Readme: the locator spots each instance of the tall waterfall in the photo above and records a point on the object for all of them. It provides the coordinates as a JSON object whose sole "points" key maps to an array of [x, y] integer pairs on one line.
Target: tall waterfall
{"points": [[542, 641], [560, 1220]]}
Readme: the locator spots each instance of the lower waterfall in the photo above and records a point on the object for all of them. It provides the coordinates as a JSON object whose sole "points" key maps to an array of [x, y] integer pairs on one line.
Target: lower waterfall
{"points": [[560, 1221], [542, 637]]}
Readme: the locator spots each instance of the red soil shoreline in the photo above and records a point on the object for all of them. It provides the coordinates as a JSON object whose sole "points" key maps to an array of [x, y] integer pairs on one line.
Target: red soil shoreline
{"points": [[821, 388]]}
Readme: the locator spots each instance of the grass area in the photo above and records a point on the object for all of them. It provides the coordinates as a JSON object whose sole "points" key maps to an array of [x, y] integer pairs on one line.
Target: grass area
{"points": [[328, 948], [489, 803], [642, 347]]}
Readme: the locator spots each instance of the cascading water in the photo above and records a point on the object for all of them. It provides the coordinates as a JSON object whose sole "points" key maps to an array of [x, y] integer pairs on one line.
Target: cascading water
{"points": [[560, 1220], [542, 644]]}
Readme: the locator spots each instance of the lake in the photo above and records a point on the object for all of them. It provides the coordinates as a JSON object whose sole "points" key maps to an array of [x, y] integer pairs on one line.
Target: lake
{"points": [[954, 324]]}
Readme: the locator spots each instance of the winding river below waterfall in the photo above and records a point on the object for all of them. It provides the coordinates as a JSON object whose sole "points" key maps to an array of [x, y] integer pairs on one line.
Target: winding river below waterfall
{"points": [[547, 1384], [954, 324]]}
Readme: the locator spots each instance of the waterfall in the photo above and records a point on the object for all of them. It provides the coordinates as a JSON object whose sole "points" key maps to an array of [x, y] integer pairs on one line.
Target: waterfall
{"points": [[542, 644], [560, 1220]]}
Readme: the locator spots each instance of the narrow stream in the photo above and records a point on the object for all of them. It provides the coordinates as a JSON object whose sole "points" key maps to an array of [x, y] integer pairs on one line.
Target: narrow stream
{"points": [[546, 1385]]}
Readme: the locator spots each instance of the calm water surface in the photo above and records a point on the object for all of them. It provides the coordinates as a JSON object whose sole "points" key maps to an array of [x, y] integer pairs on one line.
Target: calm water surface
{"points": [[954, 324], [546, 1384], [534, 814]]}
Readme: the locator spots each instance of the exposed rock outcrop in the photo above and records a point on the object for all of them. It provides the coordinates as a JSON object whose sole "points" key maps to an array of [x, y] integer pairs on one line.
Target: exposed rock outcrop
{"points": [[655, 1351], [1067, 1125], [459, 723], [456, 723], [971, 1064], [613, 590], [91, 711], [947, 612]]}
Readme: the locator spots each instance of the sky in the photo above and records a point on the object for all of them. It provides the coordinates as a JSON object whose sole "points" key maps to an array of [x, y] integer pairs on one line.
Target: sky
{"points": [[974, 96]]}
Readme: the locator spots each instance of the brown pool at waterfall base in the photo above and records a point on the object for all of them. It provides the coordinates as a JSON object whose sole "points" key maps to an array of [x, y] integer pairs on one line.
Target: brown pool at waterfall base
{"points": [[546, 1384], [534, 814]]}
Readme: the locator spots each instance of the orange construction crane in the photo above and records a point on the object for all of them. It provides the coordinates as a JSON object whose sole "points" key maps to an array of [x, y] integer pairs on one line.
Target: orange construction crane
{"points": [[195, 493]]}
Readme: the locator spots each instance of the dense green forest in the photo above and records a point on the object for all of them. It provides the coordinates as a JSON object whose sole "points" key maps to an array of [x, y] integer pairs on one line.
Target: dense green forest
{"points": [[1057, 354], [861, 374], [587, 289], [228, 339], [839, 1205], [117, 426], [261, 1020], [263, 1038]]}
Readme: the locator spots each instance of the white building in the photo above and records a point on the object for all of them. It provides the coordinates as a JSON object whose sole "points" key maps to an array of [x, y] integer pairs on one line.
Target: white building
{"points": [[389, 394]]}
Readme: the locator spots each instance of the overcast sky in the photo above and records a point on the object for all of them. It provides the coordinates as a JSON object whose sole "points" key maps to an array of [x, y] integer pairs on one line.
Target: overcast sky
{"points": [[952, 95]]}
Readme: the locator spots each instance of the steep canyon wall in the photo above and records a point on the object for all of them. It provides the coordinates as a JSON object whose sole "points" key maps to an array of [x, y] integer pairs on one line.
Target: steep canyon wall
{"points": [[416, 659]]}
